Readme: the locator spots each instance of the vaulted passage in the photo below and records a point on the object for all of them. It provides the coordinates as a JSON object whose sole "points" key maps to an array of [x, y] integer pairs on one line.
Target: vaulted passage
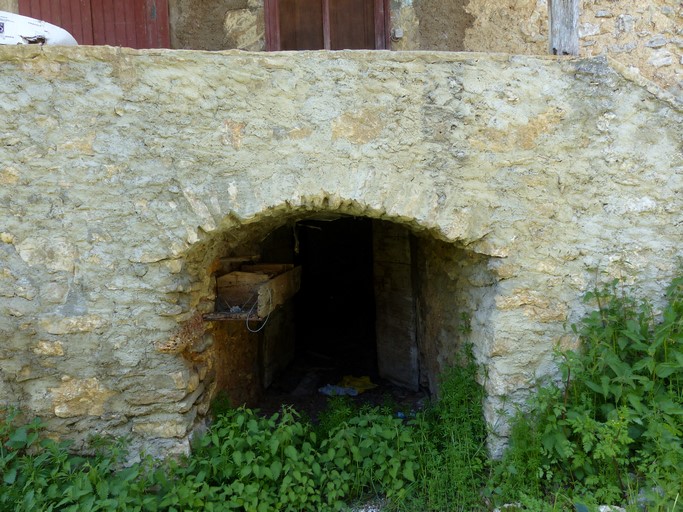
{"points": [[339, 296]]}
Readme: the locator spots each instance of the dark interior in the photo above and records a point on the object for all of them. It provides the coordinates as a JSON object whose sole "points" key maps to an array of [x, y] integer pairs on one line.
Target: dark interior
{"points": [[334, 310]]}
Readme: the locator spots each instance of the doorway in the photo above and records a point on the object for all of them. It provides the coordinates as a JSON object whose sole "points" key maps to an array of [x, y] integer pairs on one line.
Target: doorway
{"points": [[326, 24], [353, 317]]}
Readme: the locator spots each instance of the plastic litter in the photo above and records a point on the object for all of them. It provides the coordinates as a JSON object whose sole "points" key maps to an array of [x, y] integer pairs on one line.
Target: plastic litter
{"points": [[349, 386], [331, 390], [360, 384]]}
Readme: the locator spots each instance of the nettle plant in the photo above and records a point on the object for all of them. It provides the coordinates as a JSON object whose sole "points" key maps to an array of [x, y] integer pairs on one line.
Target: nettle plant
{"points": [[614, 432]]}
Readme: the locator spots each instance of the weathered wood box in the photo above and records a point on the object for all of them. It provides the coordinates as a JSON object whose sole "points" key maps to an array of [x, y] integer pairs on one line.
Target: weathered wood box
{"points": [[254, 291]]}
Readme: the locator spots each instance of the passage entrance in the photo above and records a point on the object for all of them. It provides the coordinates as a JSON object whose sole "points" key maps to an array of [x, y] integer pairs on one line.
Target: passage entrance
{"points": [[354, 312]]}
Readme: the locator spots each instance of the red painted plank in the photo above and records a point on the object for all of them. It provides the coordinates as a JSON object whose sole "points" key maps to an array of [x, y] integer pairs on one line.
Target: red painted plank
{"points": [[117, 23], [139, 15], [85, 16], [109, 19], [387, 25], [25, 7], [151, 24], [98, 29], [380, 43], [163, 25], [272, 25], [45, 13]]}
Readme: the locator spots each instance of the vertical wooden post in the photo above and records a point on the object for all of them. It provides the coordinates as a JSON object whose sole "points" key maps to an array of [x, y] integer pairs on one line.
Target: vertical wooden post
{"points": [[272, 16], [327, 37], [564, 27]]}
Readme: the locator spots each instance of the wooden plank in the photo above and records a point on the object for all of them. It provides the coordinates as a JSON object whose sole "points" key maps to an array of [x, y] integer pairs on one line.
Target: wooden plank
{"points": [[150, 23], [25, 8], [238, 278], [45, 11], [564, 27], [82, 17], [327, 37], [219, 316], [352, 24], [271, 269], [117, 23], [380, 39], [277, 291], [98, 31], [163, 34], [271, 10]]}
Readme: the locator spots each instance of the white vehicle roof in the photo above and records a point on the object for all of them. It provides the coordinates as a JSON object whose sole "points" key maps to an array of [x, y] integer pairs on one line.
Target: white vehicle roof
{"points": [[17, 29]]}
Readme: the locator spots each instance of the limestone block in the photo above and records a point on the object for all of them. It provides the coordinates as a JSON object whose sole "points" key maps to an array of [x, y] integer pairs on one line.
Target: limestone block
{"points": [[244, 28], [79, 397], [166, 425], [54, 292], [161, 429], [358, 127], [9, 176], [71, 324], [661, 58], [47, 348], [56, 253]]}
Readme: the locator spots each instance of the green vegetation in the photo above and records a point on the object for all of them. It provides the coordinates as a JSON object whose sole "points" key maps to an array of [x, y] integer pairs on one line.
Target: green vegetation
{"points": [[611, 433]]}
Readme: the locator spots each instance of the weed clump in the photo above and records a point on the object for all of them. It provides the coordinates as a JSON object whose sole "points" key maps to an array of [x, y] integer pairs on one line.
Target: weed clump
{"points": [[613, 432]]}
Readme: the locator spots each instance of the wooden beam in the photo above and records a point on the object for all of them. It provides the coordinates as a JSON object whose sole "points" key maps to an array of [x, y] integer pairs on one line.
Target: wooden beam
{"points": [[564, 27], [327, 36], [272, 16]]}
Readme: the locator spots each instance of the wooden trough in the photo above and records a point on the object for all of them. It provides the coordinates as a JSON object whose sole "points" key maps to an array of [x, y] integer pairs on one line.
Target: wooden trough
{"points": [[254, 291]]}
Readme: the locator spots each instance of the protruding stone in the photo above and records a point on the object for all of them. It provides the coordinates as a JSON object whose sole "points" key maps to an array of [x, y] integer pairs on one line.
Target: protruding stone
{"points": [[55, 253], [71, 324], [661, 58], [79, 397], [656, 42], [48, 348]]}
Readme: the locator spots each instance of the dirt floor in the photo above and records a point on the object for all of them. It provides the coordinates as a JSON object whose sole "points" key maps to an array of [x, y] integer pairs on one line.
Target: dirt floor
{"points": [[299, 387]]}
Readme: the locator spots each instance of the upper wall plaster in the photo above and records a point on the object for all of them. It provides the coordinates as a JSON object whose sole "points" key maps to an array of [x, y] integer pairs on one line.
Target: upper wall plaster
{"points": [[124, 173], [646, 35]]}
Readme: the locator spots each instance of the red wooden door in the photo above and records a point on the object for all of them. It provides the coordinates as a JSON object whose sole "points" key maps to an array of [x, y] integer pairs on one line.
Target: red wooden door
{"points": [[326, 24], [132, 23]]}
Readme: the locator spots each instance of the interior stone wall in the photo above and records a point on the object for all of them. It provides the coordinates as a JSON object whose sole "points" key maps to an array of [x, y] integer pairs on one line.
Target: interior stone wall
{"points": [[9, 5], [125, 174]]}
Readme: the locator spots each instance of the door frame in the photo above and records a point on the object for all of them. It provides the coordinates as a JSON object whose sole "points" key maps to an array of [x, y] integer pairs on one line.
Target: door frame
{"points": [[382, 25]]}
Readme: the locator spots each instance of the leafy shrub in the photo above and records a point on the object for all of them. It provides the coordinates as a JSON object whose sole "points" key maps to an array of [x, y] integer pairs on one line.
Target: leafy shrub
{"points": [[244, 462], [616, 427]]}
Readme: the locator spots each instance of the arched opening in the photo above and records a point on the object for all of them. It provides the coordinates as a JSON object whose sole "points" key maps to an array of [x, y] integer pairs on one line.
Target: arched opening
{"points": [[372, 298]]}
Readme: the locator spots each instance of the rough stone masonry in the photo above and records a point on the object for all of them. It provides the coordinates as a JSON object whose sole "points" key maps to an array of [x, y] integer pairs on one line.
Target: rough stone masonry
{"points": [[124, 174]]}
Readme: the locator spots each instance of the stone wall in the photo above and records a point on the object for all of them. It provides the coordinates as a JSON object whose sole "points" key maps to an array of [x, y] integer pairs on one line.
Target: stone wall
{"points": [[645, 36], [9, 5], [126, 175], [217, 24]]}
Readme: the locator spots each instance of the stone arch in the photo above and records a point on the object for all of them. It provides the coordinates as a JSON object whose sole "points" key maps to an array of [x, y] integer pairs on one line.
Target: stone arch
{"points": [[450, 288]]}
